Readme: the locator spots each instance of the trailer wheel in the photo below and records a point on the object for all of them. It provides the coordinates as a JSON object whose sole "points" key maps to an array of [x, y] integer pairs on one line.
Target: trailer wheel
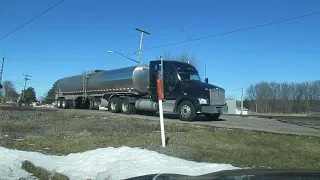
{"points": [[186, 111], [59, 103], [127, 107], [212, 117], [115, 104], [64, 103]]}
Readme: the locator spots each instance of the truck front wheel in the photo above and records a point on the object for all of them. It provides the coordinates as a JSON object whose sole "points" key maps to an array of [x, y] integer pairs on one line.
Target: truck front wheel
{"points": [[186, 111]]}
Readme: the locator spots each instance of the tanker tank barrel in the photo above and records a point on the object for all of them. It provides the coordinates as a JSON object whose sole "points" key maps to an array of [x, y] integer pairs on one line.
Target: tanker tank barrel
{"points": [[133, 79]]}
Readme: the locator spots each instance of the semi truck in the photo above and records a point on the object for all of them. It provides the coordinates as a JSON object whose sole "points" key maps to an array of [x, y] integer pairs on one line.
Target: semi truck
{"points": [[132, 89]]}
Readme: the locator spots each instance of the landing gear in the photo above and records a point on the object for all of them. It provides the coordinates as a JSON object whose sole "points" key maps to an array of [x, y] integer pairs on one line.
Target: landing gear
{"points": [[94, 104]]}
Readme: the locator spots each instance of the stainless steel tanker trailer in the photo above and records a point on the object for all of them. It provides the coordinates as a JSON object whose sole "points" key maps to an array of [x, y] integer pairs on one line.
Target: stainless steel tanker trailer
{"points": [[134, 88]]}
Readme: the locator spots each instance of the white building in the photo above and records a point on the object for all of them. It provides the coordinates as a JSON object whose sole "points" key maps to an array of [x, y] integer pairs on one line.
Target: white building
{"points": [[234, 109]]}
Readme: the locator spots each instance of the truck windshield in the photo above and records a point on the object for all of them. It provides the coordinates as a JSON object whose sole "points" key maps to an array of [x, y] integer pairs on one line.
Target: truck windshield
{"points": [[188, 76]]}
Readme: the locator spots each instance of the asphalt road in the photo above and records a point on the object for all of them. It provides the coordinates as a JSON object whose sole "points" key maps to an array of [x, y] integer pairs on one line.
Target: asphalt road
{"points": [[249, 123]]}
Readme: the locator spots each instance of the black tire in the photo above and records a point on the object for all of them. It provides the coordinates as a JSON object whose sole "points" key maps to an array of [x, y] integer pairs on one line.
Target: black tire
{"points": [[76, 104], [64, 103], [212, 117], [86, 104], [59, 103], [127, 107], [115, 105], [186, 111]]}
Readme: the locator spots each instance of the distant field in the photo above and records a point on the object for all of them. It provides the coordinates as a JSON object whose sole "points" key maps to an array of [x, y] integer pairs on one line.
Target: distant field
{"points": [[52, 132]]}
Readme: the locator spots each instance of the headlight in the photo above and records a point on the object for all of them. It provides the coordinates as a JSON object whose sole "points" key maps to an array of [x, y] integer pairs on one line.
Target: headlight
{"points": [[202, 101]]}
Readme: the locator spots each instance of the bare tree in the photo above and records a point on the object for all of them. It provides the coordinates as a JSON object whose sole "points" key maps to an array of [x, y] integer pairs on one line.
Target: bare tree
{"points": [[183, 57], [10, 92], [284, 97], [1, 95]]}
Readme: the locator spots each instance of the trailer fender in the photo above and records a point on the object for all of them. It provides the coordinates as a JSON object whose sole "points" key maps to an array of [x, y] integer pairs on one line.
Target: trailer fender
{"points": [[104, 102], [131, 100]]}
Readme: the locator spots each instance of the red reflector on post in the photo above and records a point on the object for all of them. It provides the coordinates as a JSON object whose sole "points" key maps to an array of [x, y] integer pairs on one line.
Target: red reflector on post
{"points": [[159, 89]]}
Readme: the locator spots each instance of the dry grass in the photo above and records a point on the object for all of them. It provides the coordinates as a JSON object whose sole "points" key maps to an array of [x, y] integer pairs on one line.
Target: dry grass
{"points": [[41, 173], [56, 133]]}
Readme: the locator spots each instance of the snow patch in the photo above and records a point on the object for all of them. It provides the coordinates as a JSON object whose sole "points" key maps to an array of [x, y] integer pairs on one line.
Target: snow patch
{"points": [[111, 163]]}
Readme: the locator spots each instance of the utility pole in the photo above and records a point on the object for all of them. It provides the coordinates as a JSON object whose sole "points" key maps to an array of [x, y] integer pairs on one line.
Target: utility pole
{"points": [[1, 72], [308, 106], [25, 84], [205, 71], [241, 100], [141, 39]]}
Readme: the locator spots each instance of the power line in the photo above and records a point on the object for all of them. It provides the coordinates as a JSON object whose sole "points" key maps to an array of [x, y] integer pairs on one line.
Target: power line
{"points": [[234, 89], [238, 30], [31, 20], [125, 48], [20, 84], [105, 63], [51, 82], [150, 50]]}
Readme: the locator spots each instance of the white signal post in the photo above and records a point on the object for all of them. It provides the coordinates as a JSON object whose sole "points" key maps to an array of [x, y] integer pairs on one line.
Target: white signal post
{"points": [[1, 72], [160, 97]]}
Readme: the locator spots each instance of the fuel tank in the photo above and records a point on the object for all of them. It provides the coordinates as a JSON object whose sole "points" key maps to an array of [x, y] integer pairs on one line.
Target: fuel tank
{"points": [[133, 78]]}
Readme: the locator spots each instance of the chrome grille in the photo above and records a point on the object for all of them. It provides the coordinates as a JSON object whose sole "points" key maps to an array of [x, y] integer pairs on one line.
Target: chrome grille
{"points": [[217, 97]]}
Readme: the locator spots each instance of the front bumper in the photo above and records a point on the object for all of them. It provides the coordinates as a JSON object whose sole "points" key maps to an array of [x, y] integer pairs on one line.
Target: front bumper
{"points": [[222, 109]]}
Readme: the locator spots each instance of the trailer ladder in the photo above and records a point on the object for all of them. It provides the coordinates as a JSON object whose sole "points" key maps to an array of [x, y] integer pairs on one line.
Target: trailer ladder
{"points": [[85, 85]]}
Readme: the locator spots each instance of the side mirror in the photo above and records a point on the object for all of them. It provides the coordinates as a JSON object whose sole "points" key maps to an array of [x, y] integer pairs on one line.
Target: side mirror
{"points": [[206, 80]]}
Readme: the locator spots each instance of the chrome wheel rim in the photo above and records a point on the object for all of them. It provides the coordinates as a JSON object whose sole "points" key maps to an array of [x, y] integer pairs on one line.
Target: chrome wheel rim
{"points": [[125, 107], [113, 105], [185, 111]]}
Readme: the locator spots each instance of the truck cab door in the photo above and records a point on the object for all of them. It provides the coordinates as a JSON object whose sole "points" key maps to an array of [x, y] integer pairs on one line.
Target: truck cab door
{"points": [[153, 77], [171, 84]]}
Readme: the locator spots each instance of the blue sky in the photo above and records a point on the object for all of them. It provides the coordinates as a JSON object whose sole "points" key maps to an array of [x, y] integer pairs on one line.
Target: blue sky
{"points": [[76, 36]]}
